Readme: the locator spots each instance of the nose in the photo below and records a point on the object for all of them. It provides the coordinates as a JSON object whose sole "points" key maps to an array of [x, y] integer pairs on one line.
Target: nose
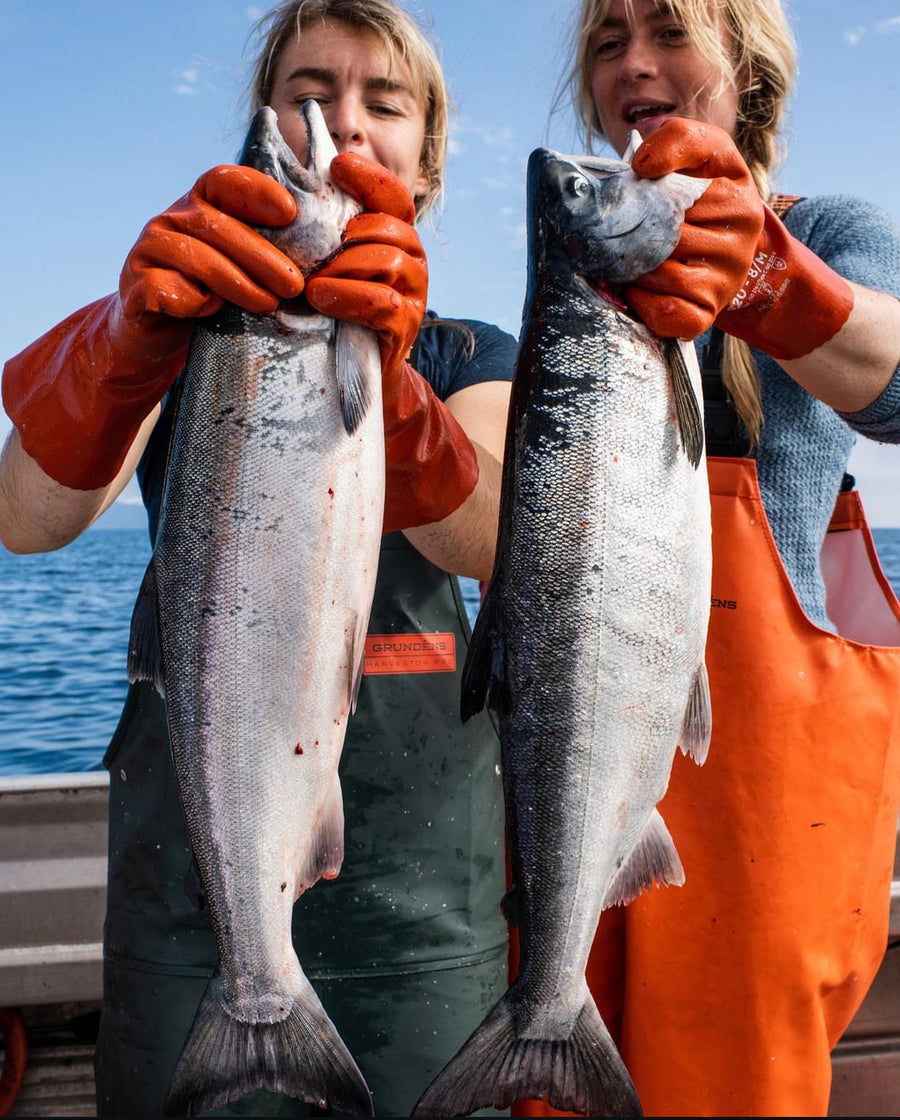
{"points": [[346, 123], [638, 60]]}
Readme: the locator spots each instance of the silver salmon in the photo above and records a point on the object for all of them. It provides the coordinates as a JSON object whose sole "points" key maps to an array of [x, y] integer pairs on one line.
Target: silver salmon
{"points": [[259, 591], [589, 647]]}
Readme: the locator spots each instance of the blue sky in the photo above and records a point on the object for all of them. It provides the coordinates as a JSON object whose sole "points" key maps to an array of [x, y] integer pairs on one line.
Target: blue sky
{"points": [[109, 113]]}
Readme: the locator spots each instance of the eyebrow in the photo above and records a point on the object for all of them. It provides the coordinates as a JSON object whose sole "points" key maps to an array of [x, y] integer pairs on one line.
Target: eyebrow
{"points": [[329, 77], [664, 11]]}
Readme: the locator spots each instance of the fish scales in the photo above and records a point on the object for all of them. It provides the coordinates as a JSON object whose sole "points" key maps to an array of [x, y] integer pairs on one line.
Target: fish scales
{"points": [[258, 595], [589, 647]]}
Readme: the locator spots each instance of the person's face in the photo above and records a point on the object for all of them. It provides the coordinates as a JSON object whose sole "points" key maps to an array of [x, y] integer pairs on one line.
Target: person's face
{"points": [[368, 105], [646, 71]]}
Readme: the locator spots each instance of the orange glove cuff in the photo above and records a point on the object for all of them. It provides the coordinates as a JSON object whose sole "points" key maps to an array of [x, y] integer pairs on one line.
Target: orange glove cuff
{"points": [[431, 464], [78, 400], [791, 302]]}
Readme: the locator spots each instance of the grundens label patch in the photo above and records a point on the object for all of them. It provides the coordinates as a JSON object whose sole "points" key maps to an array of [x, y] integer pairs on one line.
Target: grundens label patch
{"points": [[410, 653]]}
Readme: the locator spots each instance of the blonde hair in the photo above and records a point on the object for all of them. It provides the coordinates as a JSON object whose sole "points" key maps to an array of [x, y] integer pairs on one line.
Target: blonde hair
{"points": [[758, 59], [403, 39]]}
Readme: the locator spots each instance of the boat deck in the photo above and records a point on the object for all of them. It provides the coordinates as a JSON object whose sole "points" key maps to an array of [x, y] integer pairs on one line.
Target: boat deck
{"points": [[52, 899]]}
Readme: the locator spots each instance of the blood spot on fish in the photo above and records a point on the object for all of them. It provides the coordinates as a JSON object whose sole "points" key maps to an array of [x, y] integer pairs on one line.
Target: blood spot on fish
{"points": [[298, 749], [330, 493], [583, 524]]}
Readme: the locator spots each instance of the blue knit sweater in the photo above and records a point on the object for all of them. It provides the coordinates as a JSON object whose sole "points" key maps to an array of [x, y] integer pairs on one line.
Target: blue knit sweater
{"points": [[805, 445]]}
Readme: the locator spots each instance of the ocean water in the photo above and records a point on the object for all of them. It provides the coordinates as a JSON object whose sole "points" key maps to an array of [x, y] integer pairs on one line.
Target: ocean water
{"points": [[64, 623]]}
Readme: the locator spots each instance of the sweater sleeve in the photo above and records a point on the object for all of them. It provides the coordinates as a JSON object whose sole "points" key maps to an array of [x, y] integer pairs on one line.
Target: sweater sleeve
{"points": [[861, 243]]}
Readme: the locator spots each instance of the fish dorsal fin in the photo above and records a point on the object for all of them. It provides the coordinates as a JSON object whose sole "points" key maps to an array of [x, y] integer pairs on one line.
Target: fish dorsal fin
{"points": [[653, 860], [696, 729], [357, 365], [687, 407]]}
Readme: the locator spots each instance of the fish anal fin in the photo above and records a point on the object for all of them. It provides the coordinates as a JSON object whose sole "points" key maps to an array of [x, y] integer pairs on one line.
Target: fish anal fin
{"points": [[510, 904], [696, 730], [687, 407], [653, 860], [326, 853], [358, 372], [144, 651], [482, 669]]}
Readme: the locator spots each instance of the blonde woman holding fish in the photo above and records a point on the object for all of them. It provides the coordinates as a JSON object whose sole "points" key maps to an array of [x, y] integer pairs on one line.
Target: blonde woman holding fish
{"points": [[407, 947], [727, 995]]}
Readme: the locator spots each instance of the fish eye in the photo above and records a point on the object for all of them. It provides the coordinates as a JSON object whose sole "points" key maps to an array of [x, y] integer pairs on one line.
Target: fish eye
{"points": [[578, 185]]}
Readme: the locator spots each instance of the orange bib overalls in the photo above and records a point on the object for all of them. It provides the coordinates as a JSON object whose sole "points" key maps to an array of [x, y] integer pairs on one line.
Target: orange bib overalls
{"points": [[727, 995]]}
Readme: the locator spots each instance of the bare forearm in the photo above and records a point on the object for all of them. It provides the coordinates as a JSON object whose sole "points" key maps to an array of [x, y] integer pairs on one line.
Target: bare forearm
{"points": [[464, 542], [853, 368], [38, 514]]}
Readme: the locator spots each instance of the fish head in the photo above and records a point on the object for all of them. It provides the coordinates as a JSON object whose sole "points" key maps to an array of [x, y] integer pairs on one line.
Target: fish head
{"points": [[594, 217], [323, 209]]}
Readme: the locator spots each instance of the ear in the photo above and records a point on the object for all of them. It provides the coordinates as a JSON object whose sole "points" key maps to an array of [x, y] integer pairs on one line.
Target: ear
{"points": [[423, 183]]}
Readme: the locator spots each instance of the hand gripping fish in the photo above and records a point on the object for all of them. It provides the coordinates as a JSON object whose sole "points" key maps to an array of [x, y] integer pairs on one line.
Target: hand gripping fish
{"points": [[257, 600], [589, 648]]}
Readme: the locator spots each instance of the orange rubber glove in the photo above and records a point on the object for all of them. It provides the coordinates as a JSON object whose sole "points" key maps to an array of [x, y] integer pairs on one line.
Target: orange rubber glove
{"points": [[380, 279], [79, 394], [735, 264], [682, 297]]}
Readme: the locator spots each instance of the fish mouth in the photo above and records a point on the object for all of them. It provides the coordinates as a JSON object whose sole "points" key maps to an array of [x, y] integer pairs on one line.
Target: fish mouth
{"points": [[604, 291]]}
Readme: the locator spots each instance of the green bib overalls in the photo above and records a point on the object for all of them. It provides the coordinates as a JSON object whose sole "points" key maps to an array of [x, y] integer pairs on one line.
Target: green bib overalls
{"points": [[406, 948]]}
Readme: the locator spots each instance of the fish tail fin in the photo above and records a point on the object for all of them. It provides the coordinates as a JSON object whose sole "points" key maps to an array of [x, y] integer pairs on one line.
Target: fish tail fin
{"points": [[583, 1073], [302, 1056]]}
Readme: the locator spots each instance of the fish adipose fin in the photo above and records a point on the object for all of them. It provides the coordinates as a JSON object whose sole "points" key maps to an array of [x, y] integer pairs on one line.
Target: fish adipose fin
{"points": [[696, 730], [357, 363], [301, 1056], [144, 652], [687, 407], [652, 860], [582, 1073]]}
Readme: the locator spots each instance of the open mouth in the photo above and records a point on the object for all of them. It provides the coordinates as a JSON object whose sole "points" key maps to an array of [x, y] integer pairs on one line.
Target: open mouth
{"points": [[648, 111]]}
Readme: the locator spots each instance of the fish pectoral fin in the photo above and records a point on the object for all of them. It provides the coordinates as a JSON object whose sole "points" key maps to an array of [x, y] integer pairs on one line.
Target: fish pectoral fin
{"points": [[696, 730], [144, 651], [687, 407], [326, 852], [652, 860], [358, 371]]}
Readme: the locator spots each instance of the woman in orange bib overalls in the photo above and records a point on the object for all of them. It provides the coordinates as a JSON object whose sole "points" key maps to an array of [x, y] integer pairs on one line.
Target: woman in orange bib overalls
{"points": [[727, 995]]}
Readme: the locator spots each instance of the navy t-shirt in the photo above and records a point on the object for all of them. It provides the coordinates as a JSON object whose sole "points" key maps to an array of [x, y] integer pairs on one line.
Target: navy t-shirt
{"points": [[451, 354]]}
